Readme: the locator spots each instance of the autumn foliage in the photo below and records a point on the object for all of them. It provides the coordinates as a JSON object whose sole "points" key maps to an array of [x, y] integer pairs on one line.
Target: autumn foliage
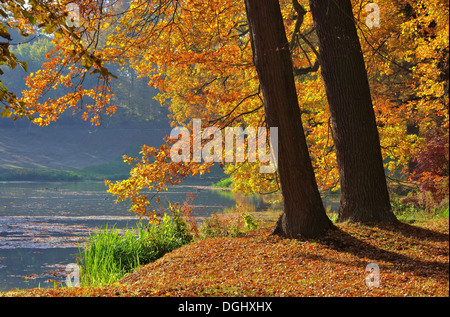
{"points": [[198, 55]]}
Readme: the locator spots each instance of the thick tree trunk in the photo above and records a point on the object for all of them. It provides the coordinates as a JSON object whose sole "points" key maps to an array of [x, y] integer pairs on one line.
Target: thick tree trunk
{"points": [[304, 214], [364, 193]]}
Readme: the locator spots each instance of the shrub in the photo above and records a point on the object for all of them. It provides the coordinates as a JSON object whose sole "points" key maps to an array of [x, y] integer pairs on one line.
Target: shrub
{"points": [[432, 166], [250, 221], [225, 225], [184, 217]]}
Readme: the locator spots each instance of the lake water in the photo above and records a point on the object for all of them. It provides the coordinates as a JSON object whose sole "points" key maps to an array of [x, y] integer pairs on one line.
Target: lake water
{"points": [[42, 224]]}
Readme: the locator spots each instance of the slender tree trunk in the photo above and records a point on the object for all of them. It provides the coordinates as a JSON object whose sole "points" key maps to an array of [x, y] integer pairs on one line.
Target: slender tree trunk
{"points": [[304, 214], [364, 193]]}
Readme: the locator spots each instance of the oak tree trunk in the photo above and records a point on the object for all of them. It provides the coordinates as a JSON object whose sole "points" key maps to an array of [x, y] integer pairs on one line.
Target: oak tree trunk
{"points": [[364, 193], [304, 214]]}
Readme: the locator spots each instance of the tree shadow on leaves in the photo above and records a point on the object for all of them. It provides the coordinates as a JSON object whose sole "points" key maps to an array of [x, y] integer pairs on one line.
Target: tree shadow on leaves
{"points": [[342, 241], [411, 231]]}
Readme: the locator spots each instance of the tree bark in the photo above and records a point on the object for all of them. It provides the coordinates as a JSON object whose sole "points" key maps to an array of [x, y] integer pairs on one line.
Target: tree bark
{"points": [[364, 193], [304, 214]]}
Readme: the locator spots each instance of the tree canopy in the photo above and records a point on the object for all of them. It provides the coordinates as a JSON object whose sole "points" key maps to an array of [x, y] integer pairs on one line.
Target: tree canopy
{"points": [[198, 55]]}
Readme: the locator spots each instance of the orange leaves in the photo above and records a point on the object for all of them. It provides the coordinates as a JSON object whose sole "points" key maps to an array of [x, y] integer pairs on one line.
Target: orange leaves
{"points": [[67, 65], [201, 61], [405, 59], [154, 171], [55, 74], [198, 55], [261, 265]]}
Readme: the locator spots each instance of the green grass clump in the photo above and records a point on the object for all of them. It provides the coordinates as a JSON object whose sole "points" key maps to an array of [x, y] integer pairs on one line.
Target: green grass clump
{"points": [[110, 254], [224, 183]]}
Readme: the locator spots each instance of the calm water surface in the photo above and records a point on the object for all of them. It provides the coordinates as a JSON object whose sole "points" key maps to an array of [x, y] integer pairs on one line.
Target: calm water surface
{"points": [[42, 224]]}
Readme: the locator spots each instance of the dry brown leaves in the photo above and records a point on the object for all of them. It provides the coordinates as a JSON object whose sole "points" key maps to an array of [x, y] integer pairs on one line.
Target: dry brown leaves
{"points": [[413, 261]]}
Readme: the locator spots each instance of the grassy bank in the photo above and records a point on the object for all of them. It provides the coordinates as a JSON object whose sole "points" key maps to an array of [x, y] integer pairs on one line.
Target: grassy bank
{"points": [[224, 183], [113, 170], [37, 174], [111, 254]]}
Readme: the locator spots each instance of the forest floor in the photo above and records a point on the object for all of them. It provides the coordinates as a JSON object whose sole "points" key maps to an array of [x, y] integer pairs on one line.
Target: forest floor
{"points": [[413, 260]]}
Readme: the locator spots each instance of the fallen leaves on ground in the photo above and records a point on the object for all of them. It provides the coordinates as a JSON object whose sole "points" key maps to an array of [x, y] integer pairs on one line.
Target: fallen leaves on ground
{"points": [[413, 261]]}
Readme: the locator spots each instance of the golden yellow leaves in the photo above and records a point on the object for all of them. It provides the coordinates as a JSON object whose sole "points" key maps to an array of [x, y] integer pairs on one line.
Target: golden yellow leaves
{"points": [[198, 55]]}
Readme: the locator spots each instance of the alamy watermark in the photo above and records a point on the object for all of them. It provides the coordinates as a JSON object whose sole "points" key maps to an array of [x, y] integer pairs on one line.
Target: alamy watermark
{"points": [[190, 147], [373, 18], [373, 278], [73, 18], [73, 275]]}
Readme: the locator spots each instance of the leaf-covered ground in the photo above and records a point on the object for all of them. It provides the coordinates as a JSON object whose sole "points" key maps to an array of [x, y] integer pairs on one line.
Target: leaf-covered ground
{"points": [[413, 261]]}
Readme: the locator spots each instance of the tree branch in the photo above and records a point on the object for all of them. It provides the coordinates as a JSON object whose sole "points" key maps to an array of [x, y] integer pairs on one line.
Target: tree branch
{"points": [[301, 14], [306, 70], [237, 105]]}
